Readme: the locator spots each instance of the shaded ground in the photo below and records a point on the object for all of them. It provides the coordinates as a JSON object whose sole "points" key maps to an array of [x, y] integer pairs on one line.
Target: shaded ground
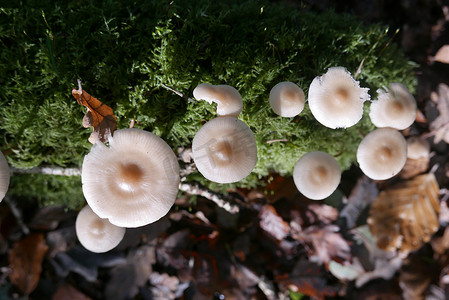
{"points": [[280, 245]]}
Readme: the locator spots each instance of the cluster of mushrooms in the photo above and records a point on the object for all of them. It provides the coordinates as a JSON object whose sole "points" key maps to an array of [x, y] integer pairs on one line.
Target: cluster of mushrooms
{"points": [[134, 181]]}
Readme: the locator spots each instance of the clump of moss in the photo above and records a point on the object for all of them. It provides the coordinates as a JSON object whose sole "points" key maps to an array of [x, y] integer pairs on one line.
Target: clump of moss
{"points": [[47, 190], [128, 53]]}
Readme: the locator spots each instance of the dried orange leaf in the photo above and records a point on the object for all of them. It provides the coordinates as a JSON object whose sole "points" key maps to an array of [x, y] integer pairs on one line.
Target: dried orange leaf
{"points": [[26, 259], [405, 216], [99, 116]]}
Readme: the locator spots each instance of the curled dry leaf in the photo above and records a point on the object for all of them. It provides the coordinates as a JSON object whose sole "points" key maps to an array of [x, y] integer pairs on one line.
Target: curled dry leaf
{"points": [[99, 116], [26, 259], [440, 126], [405, 216]]}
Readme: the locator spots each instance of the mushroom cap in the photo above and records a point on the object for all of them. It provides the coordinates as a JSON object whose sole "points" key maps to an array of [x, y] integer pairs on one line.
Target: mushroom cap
{"points": [[336, 99], [4, 176], [287, 99], [228, 99], [382, 153], [134, 181], [97, 234], [395, 108], [317, 175], [417, 148], [224, 150]]}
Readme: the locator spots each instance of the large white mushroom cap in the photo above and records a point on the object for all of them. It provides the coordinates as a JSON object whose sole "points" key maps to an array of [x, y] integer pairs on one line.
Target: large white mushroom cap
{"points": [[228, 99], [134, 181], [395, 108], [336, 99], [97, 234], [224, 150], [287, 99], [4, 176], [317, 175], [382, 153]]}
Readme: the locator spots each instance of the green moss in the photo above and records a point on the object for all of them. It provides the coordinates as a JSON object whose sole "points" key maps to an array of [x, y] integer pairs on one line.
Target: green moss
{"points": [[47, 190], [125, 53]]}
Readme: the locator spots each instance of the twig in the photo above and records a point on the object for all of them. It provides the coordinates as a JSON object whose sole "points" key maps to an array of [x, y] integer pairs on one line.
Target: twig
{"points": [[177, 93], [275, 141], [17, 214], [49, 170], [194, 189]]}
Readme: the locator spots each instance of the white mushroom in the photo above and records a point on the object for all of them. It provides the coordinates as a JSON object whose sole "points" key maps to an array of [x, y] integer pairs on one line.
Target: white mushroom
{"points": [[417, 148], [4, 176], [382, 153], [336, 99], [97, 234], [134, 181], [317, 175], [287, 99], [224, 150], [395, 108], [228, 99]]}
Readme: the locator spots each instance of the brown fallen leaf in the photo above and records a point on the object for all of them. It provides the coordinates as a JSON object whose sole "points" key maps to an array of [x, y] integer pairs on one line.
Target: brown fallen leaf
{"points": [[440, 126], [26, 259], [405, 215], [99, 115], [68, 292]]}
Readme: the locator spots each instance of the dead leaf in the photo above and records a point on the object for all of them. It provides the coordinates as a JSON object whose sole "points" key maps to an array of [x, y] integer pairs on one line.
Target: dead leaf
{"points": [[26, 259], [272, 223], [325, 243], [416, 275], [99, 116], [406, 215], [362, 195], [442, 55], [381, 264], [308, 278], [165, 287], [68, 292], [440, 126]]}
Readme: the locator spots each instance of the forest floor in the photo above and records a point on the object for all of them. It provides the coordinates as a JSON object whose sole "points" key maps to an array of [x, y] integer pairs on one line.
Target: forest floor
{"points": [[273, 243]]}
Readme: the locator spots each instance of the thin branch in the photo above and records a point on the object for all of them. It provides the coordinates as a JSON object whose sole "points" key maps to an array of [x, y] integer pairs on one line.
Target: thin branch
{"points": [[49, 170], [177, 93], [194, 189], [275, 141], [17, 214]]}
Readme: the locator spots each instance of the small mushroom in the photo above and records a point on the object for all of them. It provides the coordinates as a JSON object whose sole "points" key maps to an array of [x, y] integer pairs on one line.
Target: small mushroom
{"points": [[317, 175], [417, 148], [228, 99], [4, 176], [224, 150], [287, 99], [336, 99], [382, 153], [134, 181], [395, 108], [97, 234]]}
